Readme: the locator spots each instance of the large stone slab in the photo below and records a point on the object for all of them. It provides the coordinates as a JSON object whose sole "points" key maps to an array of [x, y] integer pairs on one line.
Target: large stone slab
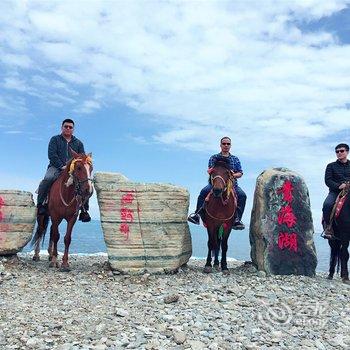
{"points": [[17, 220], [281, 227], [145, 225]]}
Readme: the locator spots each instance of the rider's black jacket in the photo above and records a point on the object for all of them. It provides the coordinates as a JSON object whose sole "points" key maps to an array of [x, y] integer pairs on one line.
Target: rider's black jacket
{"points": [[337, 173], [59, 150]]}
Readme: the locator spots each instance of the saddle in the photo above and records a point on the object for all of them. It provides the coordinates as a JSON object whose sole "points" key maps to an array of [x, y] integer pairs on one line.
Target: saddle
{"points": [[328, 232]]}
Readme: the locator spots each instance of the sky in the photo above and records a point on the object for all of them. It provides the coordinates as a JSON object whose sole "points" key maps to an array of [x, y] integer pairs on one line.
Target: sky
{"points": [[153, 85]]}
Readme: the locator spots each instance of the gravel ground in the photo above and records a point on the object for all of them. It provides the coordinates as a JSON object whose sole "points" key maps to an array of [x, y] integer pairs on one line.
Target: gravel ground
{"points": [[91, 308]]}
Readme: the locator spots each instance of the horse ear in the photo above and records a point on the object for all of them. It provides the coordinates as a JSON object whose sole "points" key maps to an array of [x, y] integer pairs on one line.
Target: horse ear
{"points": [[89, 155], [74, 154]]}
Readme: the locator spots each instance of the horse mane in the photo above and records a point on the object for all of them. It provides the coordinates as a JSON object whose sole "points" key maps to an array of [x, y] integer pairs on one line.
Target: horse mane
{"points": [[223, 162]]}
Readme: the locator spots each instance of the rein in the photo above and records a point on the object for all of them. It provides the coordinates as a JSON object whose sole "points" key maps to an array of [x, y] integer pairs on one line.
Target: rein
{"points": [[80, 199], [229, 190]]}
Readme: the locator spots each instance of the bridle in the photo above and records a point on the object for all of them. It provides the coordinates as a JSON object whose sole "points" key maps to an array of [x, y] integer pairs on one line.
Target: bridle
{"points": [[228, 188], [79, 197]]}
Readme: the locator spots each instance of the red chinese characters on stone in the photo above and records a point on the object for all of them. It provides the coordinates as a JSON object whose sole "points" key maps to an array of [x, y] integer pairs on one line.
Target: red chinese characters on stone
{"points": [[288, 240], [286, 216], [126, 214], [286, 190], [127, 198], [124, 230]]}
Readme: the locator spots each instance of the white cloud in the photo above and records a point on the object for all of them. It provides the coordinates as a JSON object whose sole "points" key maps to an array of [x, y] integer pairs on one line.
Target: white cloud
{"points": [[203, 69]]}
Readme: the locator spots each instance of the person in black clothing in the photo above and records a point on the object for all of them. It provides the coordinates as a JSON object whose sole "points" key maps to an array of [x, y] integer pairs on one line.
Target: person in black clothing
{"points": [[337, 173], [59, 153]]}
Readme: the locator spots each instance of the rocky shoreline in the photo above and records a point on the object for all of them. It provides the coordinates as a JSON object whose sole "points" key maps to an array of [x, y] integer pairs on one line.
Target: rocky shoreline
{"points": [[92, 308]]}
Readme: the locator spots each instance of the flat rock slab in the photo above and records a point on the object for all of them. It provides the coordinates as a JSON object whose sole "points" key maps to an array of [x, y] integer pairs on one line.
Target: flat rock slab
{"points": [[281, 227], [145, 225], [17, 220]]}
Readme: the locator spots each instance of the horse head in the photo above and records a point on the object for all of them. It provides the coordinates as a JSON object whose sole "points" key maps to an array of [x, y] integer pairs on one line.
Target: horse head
{"points": [[220, 176], [80, 169]]}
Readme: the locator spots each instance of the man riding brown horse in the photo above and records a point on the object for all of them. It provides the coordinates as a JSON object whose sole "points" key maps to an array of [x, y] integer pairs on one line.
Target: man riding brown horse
{"points": [[59, 153], [236, 171], [336, 211]]}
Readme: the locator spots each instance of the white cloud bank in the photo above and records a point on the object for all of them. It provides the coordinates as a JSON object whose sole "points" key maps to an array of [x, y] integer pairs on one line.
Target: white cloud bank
{"points": [[241, 68]]}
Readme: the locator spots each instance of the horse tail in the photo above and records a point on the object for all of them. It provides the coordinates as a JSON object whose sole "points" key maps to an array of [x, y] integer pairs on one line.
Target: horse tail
{"points": [[43, 222], [337, 260]]}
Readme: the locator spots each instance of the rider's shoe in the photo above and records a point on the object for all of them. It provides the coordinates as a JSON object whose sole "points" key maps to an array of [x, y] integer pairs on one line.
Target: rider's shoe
{"points": [[84, 216], [194, 218], [42, 209], [238, 225]]}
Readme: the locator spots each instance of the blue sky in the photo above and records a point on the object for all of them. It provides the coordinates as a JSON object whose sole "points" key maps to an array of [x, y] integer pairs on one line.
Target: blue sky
{"points": [[153, 86]]}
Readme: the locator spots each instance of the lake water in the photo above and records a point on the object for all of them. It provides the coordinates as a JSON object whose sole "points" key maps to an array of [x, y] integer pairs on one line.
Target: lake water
{"points": [[88, 239]]}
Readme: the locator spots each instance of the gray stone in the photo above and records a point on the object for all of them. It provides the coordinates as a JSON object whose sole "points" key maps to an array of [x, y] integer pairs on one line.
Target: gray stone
{"points": [[179, 337], [145, 225], [17, 220], [281, 227]]}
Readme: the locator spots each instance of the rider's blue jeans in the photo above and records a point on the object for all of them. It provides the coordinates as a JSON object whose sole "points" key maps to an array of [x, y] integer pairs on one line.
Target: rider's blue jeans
{"points": [[241, 199], [51, 175], [328, 205]]}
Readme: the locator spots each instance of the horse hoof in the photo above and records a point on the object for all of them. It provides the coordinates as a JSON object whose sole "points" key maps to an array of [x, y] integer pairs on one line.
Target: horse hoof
{"points": [[54, 264], [36, 258], [225, 272], [329, 277], [216, 267], [50, 258], [64, 268], [346, 281], [207, 269]]}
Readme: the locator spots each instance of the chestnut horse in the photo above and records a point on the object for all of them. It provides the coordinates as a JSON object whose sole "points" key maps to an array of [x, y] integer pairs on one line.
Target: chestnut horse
{"points": [[338, 235], [218, 215], [67, 195]]}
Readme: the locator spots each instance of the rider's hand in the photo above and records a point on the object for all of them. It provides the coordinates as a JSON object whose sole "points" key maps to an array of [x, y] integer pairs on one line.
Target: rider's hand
{"points": [[64, 167], [342, 186]]}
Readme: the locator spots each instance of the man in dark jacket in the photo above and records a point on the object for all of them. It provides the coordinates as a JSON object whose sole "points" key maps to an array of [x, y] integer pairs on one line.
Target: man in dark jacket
{"points": [[337, 173], [59, 153]]}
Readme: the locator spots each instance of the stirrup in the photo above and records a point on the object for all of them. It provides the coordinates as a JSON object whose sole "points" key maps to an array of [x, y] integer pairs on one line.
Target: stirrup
{"points": [[194, 218]]}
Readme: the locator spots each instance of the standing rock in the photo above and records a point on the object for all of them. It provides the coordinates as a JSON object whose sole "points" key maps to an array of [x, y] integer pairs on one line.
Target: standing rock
{"points": [[281, 227], [17, 220], [144, 225]]}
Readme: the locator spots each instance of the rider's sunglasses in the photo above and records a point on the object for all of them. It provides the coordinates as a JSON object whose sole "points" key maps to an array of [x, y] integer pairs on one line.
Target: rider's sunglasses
{"points": [[68, 126], [225, 143], [340, 151]]}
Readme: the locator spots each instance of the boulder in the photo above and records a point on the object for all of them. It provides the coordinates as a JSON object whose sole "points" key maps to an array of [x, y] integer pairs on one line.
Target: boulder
{"points": [[17, 220], [281, 227], [144, 225]]}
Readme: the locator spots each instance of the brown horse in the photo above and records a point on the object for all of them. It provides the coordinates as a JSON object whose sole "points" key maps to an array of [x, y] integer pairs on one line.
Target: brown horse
{"points": [[67, 195], [218, 215], [338, 235]]}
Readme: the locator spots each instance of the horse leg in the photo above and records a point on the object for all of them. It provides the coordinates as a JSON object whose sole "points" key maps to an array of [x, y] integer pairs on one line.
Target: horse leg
{"points": [[67, 240], [224, 268], [216, 258], [335, 252], [50, 247], [54, 237], [207, 267], [344, 258]]}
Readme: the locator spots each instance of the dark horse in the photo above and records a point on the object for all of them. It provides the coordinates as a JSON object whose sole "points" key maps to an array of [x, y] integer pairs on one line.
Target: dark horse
{"points": [[67, 195], [339, 235], [218, 214]]}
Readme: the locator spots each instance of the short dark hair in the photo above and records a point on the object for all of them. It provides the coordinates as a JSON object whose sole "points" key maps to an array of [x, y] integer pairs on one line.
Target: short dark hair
{"points": [[68, 121], [225, 137], [342, 145]]}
